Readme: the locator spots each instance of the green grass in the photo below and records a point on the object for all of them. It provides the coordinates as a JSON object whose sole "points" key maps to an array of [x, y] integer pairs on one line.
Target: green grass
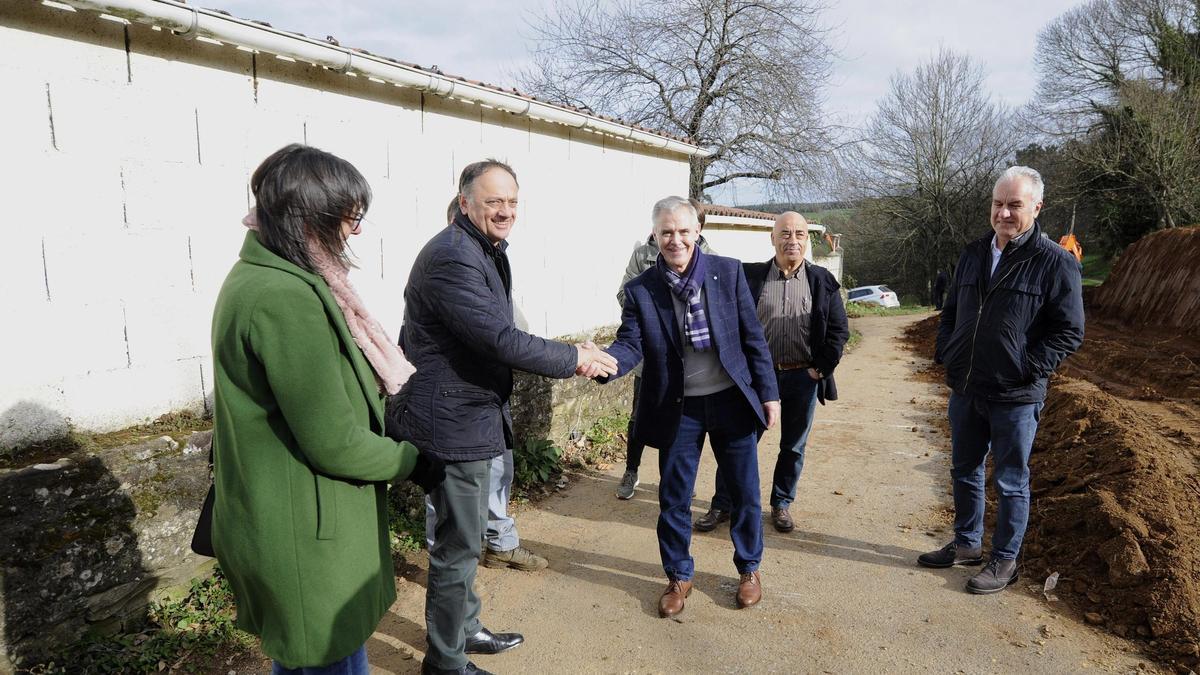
{"points": [[1095, 269], [181, 636], [822, 216], [604, 442], [857, 309], [406, 521], [855, 339]]}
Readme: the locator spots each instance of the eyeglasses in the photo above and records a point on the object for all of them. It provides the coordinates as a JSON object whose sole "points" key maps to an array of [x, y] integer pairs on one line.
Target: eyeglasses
{"points": [[355, 220]]}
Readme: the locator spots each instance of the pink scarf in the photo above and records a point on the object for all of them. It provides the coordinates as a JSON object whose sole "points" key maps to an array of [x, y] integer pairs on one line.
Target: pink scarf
{"points": [[385, 356]]}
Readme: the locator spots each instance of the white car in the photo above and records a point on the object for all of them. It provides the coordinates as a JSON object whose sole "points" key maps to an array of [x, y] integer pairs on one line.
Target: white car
{"points": [[874, 295]]}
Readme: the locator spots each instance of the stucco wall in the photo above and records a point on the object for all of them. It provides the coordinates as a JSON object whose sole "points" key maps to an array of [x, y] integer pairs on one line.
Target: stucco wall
{"points": [[127, 154]]}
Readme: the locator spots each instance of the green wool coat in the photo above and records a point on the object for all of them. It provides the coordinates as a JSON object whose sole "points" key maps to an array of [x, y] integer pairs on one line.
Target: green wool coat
{"points": [[300, 518]]}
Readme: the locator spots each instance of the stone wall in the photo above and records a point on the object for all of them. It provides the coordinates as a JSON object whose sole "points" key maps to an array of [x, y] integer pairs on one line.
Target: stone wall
{"points": [[563, 410], [86, 543]]}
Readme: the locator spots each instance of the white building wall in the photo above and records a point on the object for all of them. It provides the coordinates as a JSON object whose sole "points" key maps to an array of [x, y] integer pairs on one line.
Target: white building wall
{"points": [[126, 176]]}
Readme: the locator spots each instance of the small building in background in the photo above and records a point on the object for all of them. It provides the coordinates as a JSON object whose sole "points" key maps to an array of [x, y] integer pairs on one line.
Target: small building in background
{"points": [[746, 235]]}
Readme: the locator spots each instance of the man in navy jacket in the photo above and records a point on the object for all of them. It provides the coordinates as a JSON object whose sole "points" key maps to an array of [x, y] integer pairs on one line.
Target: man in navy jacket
{"points": [[805, 324], [706, 370], [1014, 312]]}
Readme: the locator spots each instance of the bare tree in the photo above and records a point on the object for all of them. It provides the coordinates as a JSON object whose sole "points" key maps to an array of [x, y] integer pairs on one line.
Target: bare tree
{"points": [[1088, 53], [925, 169], [1118, 93], [743, 78]]}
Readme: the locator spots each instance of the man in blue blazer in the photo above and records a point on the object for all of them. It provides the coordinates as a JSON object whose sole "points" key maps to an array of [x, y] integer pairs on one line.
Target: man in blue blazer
{"points": [[707, 370]]}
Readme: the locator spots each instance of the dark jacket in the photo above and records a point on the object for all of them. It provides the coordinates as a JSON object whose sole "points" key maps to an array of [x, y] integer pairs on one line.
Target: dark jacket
{"points": [[459, 333], [650, 331], [1002, 335], [829, 330]]}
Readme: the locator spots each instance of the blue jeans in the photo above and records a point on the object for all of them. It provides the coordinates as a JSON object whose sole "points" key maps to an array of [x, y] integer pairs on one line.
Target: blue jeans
{"points": [[978, 426], [355, 664], [798, 403], [733, 430]]}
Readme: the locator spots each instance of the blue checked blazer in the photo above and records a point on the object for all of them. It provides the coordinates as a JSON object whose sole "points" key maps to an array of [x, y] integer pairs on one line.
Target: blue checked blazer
{"points": [[650, 332]]}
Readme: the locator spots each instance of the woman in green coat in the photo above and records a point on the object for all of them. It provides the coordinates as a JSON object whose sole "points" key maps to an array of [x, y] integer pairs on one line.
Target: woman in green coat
{"points": [[301, 462]]}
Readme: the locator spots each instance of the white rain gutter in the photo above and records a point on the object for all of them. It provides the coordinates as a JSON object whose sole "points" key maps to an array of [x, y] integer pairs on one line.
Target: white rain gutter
{"points": [[189, 22]]}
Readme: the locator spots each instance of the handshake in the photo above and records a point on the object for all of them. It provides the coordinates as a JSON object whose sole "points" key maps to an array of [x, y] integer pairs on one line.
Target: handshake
{"points": [[593, 362]]}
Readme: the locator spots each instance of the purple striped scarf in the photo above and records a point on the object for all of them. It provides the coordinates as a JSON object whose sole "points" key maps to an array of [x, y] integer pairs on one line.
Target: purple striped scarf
{"points": [[687, 287]]}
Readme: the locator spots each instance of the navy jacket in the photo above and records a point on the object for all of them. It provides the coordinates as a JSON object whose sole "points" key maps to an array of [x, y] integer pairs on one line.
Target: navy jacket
{"points": [[459, 333], [829, 330], [1002, 335], [650, 331]]}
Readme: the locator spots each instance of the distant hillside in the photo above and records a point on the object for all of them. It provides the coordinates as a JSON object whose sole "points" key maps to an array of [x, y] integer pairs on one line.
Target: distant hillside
{"points": [[802, 207]]}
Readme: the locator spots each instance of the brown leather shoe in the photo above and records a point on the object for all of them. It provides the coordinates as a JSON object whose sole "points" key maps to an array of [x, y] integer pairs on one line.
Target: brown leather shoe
{"points": [[749, 590], [671, 602], [782, 520]]}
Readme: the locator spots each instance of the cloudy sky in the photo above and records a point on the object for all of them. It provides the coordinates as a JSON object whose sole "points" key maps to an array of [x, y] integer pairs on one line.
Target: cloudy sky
{"points": [[488, 39]]}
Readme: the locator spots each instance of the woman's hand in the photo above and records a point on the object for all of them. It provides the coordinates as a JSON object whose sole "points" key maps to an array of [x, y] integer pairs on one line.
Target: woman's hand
{"points": [[428, 472]]}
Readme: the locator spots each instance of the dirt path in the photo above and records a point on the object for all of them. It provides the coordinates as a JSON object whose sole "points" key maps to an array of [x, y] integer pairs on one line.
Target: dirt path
{"points": [[842, 594]]}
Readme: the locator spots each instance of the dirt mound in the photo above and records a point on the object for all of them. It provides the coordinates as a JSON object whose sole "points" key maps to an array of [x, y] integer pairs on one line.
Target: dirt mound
{"points": [[921, 337], [1155, 282], [1138, 362], [1116, 512]]}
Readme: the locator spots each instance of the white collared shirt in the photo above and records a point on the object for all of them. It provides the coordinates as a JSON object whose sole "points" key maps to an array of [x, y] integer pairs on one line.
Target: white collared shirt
{"points": [[995, 255]]}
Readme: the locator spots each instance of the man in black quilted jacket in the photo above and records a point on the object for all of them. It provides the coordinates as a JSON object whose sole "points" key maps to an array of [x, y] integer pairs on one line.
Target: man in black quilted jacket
{"points": [[1014, 312], [459, 333]]}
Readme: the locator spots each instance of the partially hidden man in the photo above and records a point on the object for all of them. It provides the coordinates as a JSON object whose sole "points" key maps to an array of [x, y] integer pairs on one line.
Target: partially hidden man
{"points": [[805, 324]]}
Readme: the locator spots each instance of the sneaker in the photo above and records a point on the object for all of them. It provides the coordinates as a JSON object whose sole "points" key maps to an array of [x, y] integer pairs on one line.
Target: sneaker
{"points": [[997, 576], [951, 555], [519, 558], [629, 481]]}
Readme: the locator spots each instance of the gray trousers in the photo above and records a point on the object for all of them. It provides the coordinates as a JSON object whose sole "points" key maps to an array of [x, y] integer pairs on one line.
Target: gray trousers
{"points": [[451, 606], [501, 529]]}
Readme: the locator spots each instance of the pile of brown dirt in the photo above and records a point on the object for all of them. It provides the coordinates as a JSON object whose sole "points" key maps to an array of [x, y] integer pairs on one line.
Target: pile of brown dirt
{"points": [[921, 337], [1156, 282], [1116, 512], [1148, 363]]}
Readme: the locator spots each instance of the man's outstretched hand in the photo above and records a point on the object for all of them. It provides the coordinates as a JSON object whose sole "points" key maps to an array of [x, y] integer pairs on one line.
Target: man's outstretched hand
{"points": [[593, 361]]}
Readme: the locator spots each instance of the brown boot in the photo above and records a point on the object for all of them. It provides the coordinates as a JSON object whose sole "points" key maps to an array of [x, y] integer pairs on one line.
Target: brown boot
{"points": [[749, 590], [671, 602], [782, 520]]}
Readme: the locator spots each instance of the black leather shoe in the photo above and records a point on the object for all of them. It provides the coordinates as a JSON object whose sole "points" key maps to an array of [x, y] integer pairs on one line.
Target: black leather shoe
{"points": [[709, 521], [487, 642], [469, 669], [950, 555], [995, 577]]}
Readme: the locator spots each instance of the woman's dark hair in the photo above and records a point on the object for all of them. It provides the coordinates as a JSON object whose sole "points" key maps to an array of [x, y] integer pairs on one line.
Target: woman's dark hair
{"points": [[303, 192]]}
